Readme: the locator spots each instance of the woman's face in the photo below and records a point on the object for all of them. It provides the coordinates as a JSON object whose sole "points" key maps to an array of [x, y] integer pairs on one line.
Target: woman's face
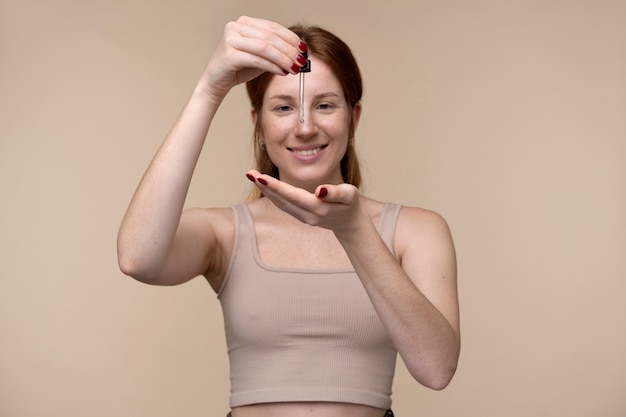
{"points": [[307, 154]]}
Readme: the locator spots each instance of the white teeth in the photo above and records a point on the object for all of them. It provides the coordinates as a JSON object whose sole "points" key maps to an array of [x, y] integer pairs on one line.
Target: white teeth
{"points": [[308, 152]]}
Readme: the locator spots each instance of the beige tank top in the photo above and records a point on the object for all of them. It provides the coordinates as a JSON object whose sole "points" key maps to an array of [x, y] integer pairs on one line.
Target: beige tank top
{"points": [[303, 335]]}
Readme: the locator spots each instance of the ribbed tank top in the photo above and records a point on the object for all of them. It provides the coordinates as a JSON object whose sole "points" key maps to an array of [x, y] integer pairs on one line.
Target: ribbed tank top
{"points": [[303, 335]]}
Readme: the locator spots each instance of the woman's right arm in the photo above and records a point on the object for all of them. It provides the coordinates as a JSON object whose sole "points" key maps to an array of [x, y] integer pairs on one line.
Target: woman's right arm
{"points": [[157, 242]]}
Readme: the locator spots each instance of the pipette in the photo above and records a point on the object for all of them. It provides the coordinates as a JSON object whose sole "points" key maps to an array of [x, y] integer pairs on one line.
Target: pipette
{"points": [[305, 68]]}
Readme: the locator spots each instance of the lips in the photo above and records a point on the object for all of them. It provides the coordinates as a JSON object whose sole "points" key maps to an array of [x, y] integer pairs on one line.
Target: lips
{"points": [[308, 151]]}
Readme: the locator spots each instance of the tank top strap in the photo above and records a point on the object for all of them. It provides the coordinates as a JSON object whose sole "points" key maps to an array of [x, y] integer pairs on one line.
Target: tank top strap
{"points": [[387, 223], [245, 239], [242, 245]]}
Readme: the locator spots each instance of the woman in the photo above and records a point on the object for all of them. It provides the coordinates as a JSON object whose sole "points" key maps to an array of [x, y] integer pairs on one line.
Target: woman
{"points": [[320, 286]]}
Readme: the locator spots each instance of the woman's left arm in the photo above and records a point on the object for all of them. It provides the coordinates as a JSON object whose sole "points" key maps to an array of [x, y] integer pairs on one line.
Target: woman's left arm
{"points": [[413, 292]]}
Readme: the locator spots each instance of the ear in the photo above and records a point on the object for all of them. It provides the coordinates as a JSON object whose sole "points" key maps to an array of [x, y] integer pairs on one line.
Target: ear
{"points": [[356, 114], [253, 115]]}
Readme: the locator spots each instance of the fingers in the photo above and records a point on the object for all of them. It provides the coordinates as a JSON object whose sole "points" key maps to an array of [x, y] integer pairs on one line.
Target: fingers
{"points": [[292, 200], [275, 47], [327, 207], [271, 30], [248, 48], [284, 195], [341, 193]]}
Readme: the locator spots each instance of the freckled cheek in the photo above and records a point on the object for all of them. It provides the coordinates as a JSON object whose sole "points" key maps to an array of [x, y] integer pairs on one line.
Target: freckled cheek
{"points": [[275, 131]]}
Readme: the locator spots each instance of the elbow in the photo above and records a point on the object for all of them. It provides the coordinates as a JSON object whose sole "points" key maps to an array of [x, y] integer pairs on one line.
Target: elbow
{"points": [[443, 368], [127, 266], [147, 272], [441, 380], [135, 269], [136, 262], [437, 375]]}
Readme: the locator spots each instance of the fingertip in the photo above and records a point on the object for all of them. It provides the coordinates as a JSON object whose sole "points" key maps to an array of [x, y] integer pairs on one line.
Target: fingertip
{"points": [[322, 192]]}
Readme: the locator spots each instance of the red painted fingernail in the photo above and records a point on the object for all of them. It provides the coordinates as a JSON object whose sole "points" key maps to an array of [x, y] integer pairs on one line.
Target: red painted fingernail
{"points": [[262, 181], [301, 60], [302, 47], [250, 177], [285, 72], [323, 192], [295, 68]]}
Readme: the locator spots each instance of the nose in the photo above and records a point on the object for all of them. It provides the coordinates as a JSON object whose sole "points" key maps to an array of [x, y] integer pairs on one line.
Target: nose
{"points": [[305, 127]]}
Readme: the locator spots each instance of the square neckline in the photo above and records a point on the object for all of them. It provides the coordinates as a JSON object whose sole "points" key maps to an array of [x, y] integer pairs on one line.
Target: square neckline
{"points": [[262, 264]]}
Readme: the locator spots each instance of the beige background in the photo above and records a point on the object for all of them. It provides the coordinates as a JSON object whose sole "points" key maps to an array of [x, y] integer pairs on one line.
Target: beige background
{"points": [[508, 117]]}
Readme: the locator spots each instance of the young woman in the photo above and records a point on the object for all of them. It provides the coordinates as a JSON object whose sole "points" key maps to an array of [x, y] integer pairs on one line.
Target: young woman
{"points": [[321, 286]]}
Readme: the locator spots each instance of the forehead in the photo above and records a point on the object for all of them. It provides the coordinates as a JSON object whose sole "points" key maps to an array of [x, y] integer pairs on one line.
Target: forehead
{"points": [[319, 81]]}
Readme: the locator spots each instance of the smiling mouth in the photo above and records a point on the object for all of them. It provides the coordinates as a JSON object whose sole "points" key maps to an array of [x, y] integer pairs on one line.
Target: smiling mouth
{"points": [[307, 152]]}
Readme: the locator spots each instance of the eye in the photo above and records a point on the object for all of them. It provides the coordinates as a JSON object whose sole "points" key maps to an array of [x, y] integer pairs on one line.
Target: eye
{"points": [[325, 106], [283, 108]]}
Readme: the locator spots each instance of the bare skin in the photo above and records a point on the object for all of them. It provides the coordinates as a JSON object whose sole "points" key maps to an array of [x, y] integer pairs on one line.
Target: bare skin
{"points": [[328, 409], [309, 211]]}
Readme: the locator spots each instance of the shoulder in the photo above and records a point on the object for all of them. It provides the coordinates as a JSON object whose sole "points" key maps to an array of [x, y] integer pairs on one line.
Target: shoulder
{"points": [[423, 233], [421, 218], [410, 219]]}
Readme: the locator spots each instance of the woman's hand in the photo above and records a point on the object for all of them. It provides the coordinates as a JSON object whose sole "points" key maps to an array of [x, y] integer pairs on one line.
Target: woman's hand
{"points": [[333, 207], [249, 47]]}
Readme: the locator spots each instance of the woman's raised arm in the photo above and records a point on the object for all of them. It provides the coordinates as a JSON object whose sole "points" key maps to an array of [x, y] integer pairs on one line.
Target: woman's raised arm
{"points": [[157, 243]]}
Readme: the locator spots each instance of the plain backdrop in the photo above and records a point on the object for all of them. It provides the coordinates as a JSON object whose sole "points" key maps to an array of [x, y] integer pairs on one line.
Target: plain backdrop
{"points": [[507, 117]]}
